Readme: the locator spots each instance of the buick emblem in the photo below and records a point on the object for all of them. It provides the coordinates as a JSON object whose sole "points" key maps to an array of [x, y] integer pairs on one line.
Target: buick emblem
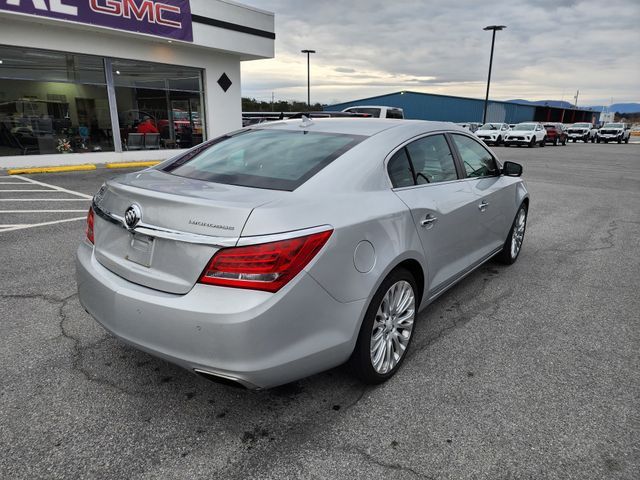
{"points": [[132, 216]]}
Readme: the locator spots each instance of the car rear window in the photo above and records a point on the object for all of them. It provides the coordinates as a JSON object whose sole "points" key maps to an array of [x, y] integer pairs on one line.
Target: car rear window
{"points": [[271, 159], [374, 112]]}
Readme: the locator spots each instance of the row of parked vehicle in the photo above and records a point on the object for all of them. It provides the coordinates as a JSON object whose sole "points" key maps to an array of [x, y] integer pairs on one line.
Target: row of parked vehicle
{"points": [[534, 133]]}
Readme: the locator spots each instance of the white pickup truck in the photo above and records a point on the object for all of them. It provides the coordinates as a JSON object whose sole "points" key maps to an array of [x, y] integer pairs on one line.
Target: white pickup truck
{"points": [[582, 131], [614, 132], [377, 111]]}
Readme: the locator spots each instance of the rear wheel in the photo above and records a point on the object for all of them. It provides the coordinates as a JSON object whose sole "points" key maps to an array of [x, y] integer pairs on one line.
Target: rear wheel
{"points": [[513, 243], [387, 329]]}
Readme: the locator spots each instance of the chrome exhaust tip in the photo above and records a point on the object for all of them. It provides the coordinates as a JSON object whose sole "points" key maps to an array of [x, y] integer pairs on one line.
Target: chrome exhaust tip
{"points": [[225, 379]]}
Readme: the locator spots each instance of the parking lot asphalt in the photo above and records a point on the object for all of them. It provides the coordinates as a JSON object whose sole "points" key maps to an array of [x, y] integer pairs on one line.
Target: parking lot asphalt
{"points": [[527, 371]]}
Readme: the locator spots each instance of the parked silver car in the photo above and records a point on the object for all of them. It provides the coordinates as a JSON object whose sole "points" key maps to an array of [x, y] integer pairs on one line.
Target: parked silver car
{"points": [[288, 248]]}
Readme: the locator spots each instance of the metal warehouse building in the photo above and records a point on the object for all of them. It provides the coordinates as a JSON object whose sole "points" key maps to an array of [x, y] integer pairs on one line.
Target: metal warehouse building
{"points": [[428, 106]]}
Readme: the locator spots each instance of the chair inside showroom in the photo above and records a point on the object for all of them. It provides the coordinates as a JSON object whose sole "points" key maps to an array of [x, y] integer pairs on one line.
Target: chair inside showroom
{"points": [[152, 141], [135, 141]]}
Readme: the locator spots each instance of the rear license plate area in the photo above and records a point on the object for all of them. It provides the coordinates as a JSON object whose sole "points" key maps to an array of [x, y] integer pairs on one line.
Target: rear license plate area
{"points": [[140, 249]]}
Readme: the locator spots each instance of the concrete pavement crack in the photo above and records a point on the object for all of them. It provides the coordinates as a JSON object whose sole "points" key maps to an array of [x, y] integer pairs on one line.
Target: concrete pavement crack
{"points": [[78, 350]]}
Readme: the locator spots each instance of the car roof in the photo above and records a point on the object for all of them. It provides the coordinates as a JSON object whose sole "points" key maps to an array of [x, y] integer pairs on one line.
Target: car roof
{"points": [[359, 126]]}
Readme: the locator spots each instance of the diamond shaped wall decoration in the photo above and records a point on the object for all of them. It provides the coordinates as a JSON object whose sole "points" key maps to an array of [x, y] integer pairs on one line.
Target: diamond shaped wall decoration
{"points": [[224, 82]]}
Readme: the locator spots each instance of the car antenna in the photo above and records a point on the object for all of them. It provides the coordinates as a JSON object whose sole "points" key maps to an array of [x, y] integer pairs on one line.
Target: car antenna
{"points": [[306, 122]]}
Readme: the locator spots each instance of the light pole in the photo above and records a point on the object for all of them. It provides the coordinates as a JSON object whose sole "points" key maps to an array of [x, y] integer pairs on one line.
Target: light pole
{"points": [[493, 41], [308, 77]]}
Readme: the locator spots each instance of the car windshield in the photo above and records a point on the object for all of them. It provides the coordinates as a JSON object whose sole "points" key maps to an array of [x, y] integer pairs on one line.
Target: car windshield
{"points": [[490, 126], [525, 126], [612, 125], [582, 125], [271, 159]]}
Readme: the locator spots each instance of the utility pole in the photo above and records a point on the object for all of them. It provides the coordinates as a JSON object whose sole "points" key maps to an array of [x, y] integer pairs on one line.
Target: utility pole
{"points": [[575, 105]]}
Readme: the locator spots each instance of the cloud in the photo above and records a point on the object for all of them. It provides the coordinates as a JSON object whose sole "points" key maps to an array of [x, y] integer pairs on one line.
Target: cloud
{"points": [[550, 49]]}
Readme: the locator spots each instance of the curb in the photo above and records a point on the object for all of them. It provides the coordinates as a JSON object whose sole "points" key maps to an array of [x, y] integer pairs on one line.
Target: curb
{"points": [[67, 168], [131, 164], [80, 168]]}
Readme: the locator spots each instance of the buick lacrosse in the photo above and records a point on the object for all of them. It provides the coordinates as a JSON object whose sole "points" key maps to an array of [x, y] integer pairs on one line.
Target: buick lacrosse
{"points": [[288, 248]]}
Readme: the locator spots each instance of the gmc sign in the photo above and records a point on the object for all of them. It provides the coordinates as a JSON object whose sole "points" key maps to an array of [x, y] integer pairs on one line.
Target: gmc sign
{"points": [[163, 18]]}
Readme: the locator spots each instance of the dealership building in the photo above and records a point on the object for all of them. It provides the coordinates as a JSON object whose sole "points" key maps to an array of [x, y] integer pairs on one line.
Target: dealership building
{"points": [[121, 80], [447, 108]]}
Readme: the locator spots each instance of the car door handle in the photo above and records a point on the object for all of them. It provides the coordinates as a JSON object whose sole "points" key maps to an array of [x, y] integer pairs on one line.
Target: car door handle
{"points": [[429, 220], [483, 206]]}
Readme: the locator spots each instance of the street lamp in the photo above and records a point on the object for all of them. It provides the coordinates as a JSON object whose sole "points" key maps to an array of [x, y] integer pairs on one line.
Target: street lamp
{"points": [[493, 41], [308, 77]]}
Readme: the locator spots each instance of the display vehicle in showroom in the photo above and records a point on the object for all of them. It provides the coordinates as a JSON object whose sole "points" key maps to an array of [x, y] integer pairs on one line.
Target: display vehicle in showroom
{"points": [[288, 248]]}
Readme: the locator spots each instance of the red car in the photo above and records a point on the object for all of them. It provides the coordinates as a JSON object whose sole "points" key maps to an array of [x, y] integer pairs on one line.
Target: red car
{"points": [[555, 133]]}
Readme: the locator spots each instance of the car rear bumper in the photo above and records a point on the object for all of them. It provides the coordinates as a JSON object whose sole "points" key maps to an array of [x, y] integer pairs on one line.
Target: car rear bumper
{"points": [[257, 339]]}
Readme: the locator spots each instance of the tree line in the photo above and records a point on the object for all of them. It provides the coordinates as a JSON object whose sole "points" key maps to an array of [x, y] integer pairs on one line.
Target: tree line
{"points": [[253, 105]]}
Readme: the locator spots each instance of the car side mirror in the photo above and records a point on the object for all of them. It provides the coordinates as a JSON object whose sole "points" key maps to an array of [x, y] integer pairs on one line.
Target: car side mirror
{"points": [[511, 169]]}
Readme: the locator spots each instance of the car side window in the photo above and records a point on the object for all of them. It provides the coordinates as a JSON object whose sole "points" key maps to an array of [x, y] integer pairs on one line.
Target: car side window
{"points": [[477, 160], [399, 170], [432, 160]]}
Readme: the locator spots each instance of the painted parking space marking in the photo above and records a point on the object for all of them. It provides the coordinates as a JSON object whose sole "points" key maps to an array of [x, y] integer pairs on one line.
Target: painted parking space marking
{"points": [[29, 217]]}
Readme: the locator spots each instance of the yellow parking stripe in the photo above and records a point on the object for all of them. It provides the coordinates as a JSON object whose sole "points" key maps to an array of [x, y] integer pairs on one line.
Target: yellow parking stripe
{"points": [[66, 168], [132, 164]]}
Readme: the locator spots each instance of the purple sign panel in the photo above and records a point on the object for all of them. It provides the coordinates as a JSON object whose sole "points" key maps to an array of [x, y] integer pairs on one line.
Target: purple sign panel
{"points": [[161, 18]]}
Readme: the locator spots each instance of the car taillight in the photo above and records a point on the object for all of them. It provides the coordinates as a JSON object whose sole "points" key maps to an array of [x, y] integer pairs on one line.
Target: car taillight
{"points": [[89, 229], [266, 266]]}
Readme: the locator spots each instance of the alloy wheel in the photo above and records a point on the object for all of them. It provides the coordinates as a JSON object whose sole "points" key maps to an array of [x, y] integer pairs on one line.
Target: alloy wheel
{"points": [[517, 236], [392, 327]]}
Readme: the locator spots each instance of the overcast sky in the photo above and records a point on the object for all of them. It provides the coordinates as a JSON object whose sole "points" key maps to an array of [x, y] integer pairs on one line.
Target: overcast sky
{"points": [[550, 49]]}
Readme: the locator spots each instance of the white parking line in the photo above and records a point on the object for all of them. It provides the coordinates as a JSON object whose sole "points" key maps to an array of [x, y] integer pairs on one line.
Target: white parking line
{"points": [[42, 211], [45, 187], [45, 199], [42, 184], [22, 227]]}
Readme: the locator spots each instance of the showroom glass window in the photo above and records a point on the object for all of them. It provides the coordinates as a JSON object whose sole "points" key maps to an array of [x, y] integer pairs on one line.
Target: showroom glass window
{"points": [[168, 97], [52, 102]]}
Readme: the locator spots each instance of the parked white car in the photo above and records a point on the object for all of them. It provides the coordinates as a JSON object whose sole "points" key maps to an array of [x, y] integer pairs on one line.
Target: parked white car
{"points": [[584, 131], [377, 111], [528, 133], [493, 133], [614, 132]]}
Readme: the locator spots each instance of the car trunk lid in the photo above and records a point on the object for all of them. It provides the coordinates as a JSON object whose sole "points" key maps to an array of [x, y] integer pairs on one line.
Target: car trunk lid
{"points": [[183, 222]]}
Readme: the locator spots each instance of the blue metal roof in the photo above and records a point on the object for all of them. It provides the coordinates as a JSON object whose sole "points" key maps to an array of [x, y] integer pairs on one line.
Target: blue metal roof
{"points": [[448, 108]]}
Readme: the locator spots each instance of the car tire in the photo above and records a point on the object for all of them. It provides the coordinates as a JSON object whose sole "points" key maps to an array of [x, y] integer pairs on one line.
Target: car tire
{"points": [[574, 140], [619, 139], [593, 139], [555, 142], [597, 140], [606, 141], [376, 323], [498, 141], [513, 244], [543, 142], [507, 144], [532, 142], [626, 140], [564, 141], [586, 139]]}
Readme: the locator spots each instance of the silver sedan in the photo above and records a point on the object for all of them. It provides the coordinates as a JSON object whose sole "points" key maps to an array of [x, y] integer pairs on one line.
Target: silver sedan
{"points": [[285, 249]]}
